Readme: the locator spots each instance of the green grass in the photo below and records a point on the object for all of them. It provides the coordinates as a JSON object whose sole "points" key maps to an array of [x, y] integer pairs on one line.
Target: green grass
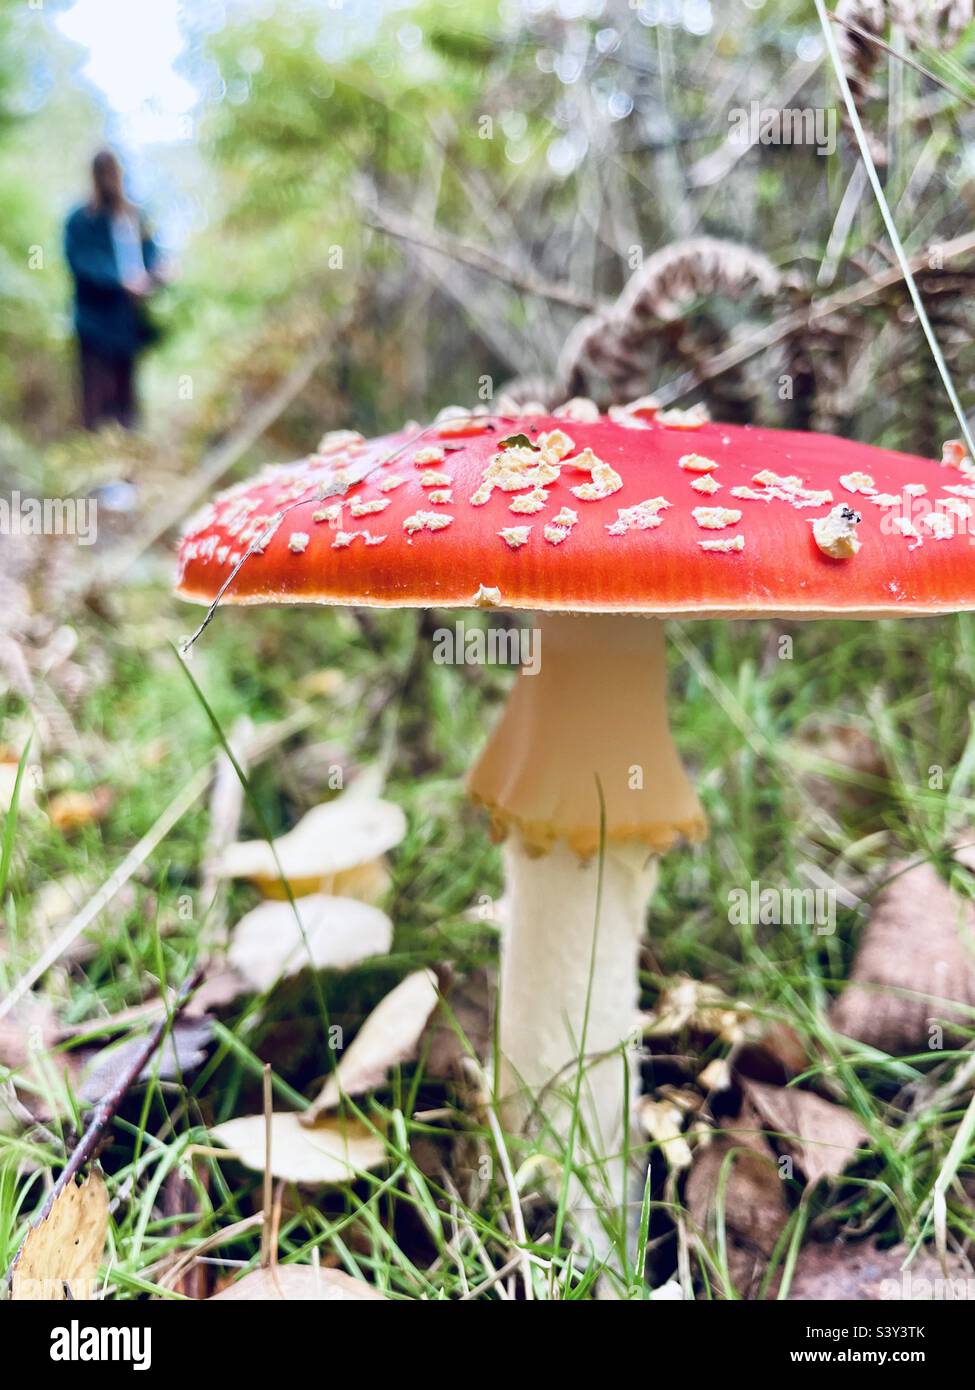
{"points": [[437, 1222]]}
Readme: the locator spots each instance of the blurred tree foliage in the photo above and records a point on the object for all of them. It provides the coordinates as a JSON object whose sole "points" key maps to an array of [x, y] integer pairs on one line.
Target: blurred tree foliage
{"points": [[445, 188], [570, 142], [48, 125]]}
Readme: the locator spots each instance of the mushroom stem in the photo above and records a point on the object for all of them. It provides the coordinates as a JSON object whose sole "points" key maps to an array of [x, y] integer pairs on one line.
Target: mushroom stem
{"points": [[582, 756], [592, 718], [569, 994]]}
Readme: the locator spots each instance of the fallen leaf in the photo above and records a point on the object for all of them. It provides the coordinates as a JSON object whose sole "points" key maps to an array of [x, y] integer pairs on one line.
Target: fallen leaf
{"points": [[920, 941], [31, 1028], [338, 932], [822, 1137], [69, 811], [60, 1256], [42, 1072], [388, 1036], [183, 1049], [218, 991], [332, 849], [839, 1273], [299, 1283], [332, 1151], [471, 1001], [776, 1054], [754, 1204]]}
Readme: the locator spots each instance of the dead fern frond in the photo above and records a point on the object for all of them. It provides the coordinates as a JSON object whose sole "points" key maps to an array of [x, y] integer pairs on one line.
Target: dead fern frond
{"points": [[817, 384], [935, 23], [609, 355], [948, 295], [860, 56]]}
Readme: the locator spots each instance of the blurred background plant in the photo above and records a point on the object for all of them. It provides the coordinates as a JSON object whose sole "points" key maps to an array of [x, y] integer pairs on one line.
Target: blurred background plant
{"points": [[449, 188]]}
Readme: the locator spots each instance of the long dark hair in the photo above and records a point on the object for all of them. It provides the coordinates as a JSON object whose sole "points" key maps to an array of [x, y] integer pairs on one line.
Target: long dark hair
{"points": [[108, 190]]}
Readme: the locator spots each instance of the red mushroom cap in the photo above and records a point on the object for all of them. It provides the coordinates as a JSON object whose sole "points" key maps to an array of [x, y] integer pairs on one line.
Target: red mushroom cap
{"points": [[651, 512]]}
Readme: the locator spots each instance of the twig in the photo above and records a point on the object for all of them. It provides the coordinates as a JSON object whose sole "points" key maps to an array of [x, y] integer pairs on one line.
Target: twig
{"points": [[238, 1228], [892, 232], [773, 333], [901, 57], [104, 1111], [478, 259], [355, 473]]}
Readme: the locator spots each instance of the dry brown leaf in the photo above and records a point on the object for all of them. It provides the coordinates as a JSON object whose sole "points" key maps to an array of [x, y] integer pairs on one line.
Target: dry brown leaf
{"points": [[776, 1055], [61, 1255], [920, 941], [755, 1208], [41, 1070], [839, 1273], [471, 1000], [183, 1049], [822, 1137], [333, 1151], [218, 991], [389, 1035], [299, 1283], [338, 932], [71, 811], [31, 1028], [335, 848]]}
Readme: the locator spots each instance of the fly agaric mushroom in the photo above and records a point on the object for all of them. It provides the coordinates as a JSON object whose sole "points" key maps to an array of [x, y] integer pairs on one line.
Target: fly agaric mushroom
{"points": [[601, 526]]}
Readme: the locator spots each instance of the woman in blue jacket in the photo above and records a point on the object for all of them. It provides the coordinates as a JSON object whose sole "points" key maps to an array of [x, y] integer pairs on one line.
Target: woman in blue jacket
{"points": [[116, 267]]}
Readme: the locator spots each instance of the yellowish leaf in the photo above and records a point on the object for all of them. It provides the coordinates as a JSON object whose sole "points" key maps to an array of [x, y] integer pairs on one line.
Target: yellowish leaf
{"points": [[60, 1256], [389, 1035]]}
